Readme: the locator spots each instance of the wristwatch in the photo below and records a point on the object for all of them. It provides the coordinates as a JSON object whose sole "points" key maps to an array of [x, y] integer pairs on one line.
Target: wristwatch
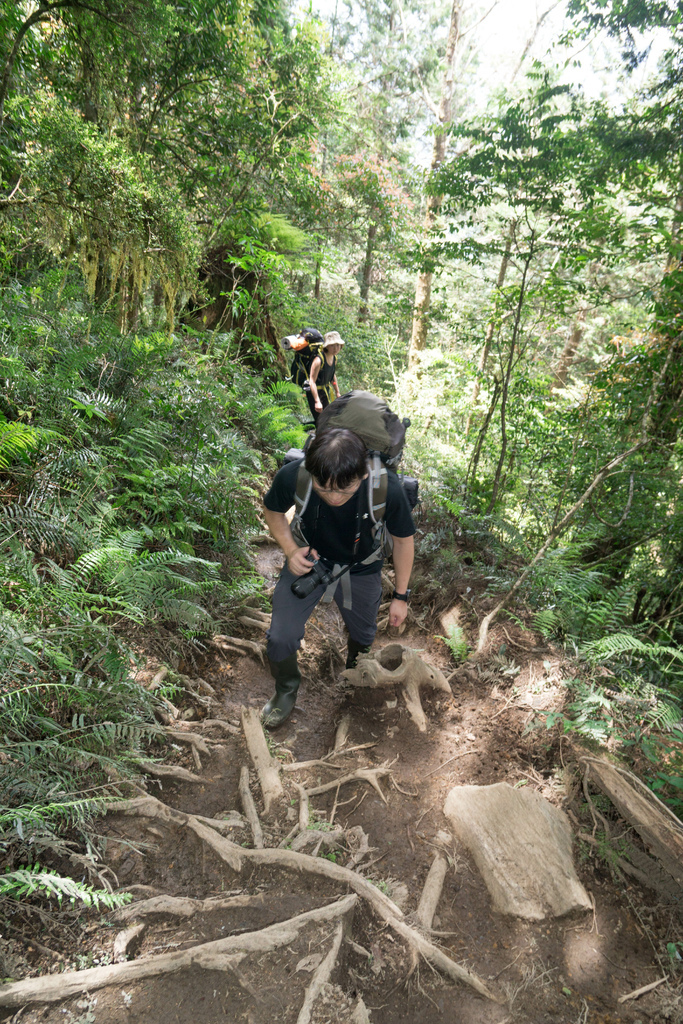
{"points": [[400, 597]]}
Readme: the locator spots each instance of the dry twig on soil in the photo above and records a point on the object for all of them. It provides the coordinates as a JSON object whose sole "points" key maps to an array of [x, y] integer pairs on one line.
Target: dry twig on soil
{"points": [[643, 990]]}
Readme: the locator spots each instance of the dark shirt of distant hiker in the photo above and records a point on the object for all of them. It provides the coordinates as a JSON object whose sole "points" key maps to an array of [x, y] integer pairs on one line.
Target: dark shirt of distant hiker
{"points": [[322, 381], [335, 545]]}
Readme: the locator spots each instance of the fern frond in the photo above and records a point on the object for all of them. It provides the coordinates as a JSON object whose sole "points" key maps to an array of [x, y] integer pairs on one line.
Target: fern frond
{"points": [[627, 643], [36, 880]]}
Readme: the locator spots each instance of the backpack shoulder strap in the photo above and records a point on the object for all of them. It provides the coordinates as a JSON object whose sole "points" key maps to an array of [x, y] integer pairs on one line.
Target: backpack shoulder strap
{"points": [[304, 486], [378, 484], [302, 496]]}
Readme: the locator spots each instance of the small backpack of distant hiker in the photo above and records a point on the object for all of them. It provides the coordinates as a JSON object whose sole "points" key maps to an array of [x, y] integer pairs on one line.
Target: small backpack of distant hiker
{"points": [[306, 346], [384, 435]]}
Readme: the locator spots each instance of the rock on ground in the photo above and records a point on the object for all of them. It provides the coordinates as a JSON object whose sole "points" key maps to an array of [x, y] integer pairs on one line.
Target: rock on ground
{"points": [[522, 846]]}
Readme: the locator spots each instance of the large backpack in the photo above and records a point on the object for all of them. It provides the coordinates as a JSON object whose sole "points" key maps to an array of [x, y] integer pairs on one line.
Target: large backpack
{"points": [[384, 435], [305, 349]]}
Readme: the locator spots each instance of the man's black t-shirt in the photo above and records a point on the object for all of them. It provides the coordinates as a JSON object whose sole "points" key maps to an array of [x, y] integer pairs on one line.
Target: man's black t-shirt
{"points": [[331, 529]]}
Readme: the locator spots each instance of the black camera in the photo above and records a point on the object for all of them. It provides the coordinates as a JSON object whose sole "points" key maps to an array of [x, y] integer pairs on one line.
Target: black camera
{"points": [[319, 576]]}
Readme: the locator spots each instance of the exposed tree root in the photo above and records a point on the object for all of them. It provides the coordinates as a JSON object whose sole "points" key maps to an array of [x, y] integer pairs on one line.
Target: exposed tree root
{"points": [[236, 857], [342, 733], [197, 683], [410, 673], [321, 976], [257, 620], [218, 723], [431, 894], [197, 743], [150, 807], [250, 808], [183, 906], [169, 771], [126, 940], [266, 767], [364, 847], [298, 766], [220, 955], [370, 775], [239, 644], [314, 835]]}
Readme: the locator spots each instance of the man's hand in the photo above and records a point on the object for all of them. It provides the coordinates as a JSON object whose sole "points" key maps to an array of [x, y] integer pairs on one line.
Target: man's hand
{"points": [[297, 561], [318, 406], [397, 612], [300, 561]]}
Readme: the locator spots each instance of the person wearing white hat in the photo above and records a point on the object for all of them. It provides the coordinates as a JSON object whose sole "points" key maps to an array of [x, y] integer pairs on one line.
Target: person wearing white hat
{"points": [[323, 375]]}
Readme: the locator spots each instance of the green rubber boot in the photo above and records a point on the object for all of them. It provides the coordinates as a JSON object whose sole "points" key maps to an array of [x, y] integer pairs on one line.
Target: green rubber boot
{"points": [[354, 649], [287, 680]]}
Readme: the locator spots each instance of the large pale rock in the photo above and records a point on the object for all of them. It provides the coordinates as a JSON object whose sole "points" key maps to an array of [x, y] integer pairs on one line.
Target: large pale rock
{"points": [[522, 846]]}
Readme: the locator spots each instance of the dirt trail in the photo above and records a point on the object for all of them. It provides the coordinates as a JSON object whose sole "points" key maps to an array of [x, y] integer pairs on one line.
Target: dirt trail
{"points": [[568, 970]]}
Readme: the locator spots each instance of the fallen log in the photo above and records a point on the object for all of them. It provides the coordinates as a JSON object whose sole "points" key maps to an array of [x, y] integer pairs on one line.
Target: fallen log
{"points": [[660, 830]]}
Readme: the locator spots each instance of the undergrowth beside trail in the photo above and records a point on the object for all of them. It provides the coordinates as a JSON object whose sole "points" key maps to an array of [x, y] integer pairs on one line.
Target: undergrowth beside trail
{"points": [[129, 472]]}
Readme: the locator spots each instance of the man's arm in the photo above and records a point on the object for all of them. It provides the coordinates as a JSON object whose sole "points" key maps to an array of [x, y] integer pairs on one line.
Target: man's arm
{"points": [[404, 553], [297, 561]]}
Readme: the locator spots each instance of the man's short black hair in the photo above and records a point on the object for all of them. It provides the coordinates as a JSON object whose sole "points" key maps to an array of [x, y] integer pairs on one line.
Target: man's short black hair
{"points": [[337, 457]]}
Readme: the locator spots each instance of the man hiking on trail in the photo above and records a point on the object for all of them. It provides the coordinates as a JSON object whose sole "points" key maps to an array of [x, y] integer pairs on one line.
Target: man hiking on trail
{"points": [[335, 533], [322, 381]]}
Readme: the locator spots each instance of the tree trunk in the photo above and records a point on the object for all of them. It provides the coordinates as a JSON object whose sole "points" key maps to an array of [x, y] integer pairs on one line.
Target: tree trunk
{"points": [[423, 288], [568, 356], [364, 308], [491, 326], [506, 380]]}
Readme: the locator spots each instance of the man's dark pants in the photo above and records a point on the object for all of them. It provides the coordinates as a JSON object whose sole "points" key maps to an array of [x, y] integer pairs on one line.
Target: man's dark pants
{"points": [[291, 613]]}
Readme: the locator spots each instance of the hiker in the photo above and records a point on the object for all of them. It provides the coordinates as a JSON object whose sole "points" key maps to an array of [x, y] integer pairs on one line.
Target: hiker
{"points": [[322, 381], [335, 531]]}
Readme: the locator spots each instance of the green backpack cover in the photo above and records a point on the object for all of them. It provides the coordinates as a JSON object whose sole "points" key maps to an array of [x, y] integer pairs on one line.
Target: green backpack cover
{"points": [[371, 418]]}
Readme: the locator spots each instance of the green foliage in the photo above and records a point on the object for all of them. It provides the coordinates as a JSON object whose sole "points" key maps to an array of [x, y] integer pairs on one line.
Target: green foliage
{"points": [[128, 487], [456, 641], [18, 885]]}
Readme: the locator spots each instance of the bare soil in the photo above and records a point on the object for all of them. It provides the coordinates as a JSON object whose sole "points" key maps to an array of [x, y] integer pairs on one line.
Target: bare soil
{"points": [[568, 970]]}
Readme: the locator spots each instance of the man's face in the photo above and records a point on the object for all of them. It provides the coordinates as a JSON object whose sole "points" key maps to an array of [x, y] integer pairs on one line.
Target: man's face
{"points": [[332, 495]]}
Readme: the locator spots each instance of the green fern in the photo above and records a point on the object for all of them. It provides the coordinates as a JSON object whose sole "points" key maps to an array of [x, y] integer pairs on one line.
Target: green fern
{"points": [[456, 641], [38, 881]]}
